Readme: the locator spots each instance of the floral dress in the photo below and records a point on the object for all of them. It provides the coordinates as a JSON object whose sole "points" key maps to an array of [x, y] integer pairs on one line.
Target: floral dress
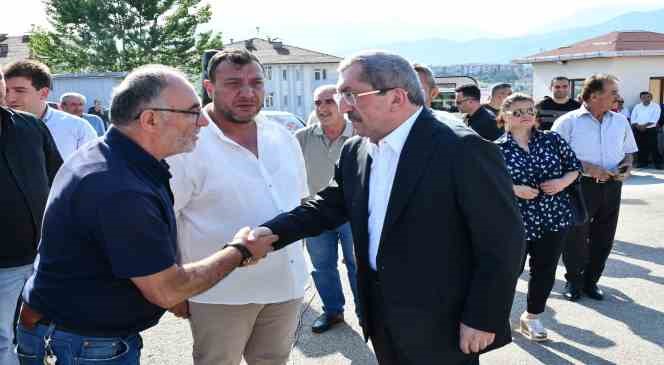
{"points": [[550, 157]]}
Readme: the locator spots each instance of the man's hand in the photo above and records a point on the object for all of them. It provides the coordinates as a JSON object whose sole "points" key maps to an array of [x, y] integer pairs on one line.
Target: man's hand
{"points": [[258, 242], [472, 340], [553, 186], [525, 192], [180, 310], [627, 171]]}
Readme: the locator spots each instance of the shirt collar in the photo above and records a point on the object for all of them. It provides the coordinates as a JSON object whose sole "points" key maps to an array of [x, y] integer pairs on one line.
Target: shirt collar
{"points": [[397, 138], [137, 156], [47, 114]]}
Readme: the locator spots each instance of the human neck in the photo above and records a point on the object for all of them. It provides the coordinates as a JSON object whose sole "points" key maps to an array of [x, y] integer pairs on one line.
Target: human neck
{"points": [[561, 101], [231, 129], [522, 136], [41, 111], [144, 141], [334, 130], [596, 112], [495, 105]]}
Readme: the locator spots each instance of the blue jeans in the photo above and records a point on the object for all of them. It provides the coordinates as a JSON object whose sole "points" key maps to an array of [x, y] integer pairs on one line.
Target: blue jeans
{"points": [[12, 280], [323, 251], [73, 349]]}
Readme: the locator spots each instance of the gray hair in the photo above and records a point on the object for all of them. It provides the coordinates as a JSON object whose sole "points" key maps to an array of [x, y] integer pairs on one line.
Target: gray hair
{"points": [[383, 70], [140, 88], [428, 74], [69, 95], [323, 88]]}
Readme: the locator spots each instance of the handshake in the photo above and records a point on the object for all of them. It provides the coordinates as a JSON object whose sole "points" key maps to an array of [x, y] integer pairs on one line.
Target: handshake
{"points": [[257, 243]]}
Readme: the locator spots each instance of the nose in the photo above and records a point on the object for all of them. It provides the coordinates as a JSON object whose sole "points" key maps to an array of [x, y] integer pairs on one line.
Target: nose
{"points": [[344, 107]]}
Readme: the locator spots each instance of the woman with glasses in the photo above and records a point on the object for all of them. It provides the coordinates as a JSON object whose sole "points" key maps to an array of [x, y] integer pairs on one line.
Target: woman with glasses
{"points": [[541, 165]]}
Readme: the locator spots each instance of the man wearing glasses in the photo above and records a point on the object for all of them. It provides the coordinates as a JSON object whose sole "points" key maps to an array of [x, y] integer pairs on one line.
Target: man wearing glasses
{"points": [[321, 145], [243, 172], [435, 277], [477, 116], [107, 265]]}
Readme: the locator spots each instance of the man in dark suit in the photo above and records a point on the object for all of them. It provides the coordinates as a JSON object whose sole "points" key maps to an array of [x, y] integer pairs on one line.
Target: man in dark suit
{"points": [[477, 116], [437, 234]]}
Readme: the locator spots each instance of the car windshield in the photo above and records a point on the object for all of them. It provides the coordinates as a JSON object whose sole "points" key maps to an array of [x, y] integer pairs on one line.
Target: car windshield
{"points": [[289, 121]]}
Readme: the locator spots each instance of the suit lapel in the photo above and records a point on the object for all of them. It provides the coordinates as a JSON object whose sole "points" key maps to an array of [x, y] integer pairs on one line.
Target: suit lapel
{"points": [[361, 199], [412, 163]]}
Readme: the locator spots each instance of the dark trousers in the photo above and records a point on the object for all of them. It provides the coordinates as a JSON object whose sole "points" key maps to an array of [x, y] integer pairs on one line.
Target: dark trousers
{"points": [[647, 143], [588, 246], [544, 255], [383, 343]]}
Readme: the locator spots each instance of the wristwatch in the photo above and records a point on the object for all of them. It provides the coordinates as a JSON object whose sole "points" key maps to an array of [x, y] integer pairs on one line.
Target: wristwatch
{"points": [[247, 256]]}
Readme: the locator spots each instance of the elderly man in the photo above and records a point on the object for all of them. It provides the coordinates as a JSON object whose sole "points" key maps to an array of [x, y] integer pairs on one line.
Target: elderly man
{"points": [[498, 93], [477, 116], [604, 143], [435, 278], [552, 107], [645, 116], [110, 216], [29, 160], [28, 85], [321, 145], [74, 104], [243, 172]]}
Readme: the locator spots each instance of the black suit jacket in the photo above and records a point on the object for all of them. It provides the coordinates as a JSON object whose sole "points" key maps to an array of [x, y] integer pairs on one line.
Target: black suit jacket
{"points": [[484, 123], [452, 241]]}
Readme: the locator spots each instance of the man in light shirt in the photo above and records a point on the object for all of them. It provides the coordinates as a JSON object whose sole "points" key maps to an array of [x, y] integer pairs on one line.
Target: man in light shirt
{"points": [[321, 145], [242, 172], [645, 116], [604, 143], [28, 84], [74, 104]]}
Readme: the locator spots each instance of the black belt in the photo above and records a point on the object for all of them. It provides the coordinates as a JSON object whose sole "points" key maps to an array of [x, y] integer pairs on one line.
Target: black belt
{"points": [[592, 180]]}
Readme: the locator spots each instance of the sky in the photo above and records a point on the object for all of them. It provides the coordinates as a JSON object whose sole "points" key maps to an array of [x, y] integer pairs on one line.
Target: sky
{"points": [[329, 25]]}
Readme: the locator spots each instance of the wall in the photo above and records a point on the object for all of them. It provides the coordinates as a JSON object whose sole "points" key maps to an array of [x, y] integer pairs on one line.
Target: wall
{"points": [[92, 87], [634, 74]]}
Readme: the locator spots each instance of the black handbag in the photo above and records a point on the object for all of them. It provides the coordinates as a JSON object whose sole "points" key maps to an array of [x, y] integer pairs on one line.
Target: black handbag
{"points": [[578, 204]]}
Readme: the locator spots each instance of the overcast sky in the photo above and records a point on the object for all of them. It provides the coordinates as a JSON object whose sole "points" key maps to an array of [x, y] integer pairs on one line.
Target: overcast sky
{"points": [[328, 24]]}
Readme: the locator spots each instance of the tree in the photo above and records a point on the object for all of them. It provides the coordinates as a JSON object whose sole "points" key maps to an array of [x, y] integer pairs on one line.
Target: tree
{"points": [[120, 35]]}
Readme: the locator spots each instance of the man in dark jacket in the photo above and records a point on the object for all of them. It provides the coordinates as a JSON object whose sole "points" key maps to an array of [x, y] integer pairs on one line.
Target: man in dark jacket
{"points": [[477, 116], [29, 160]]}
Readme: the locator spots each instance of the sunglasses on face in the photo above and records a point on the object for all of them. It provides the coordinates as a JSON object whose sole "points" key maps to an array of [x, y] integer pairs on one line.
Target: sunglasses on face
{"points": [[518, 113]]}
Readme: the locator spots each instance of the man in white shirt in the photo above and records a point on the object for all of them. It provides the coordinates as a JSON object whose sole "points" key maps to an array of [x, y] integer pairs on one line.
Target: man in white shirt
{"points": [[645, 116], [74, 104], [28, 84], [242, 172], [604, 143]]}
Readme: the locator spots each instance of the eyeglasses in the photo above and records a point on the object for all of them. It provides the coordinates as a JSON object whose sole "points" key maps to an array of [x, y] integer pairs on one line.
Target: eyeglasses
{"points": [[196, 113], [326, 102], [351, 98], [518, 113]]}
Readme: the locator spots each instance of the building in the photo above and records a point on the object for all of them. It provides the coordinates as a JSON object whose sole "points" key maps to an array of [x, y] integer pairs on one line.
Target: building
{"points": [[291, 73], [634, 57], [93, 85], [14, 48]]}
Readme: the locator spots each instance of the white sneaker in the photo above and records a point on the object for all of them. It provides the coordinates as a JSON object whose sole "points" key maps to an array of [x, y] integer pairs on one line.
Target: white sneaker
{"points": [[532, 328]]}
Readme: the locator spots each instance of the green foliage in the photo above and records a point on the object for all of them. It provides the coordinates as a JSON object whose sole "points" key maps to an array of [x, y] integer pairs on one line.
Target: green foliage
{"points": [[120, 35]]}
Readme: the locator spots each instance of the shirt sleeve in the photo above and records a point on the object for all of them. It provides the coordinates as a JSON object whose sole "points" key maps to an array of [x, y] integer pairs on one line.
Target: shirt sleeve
{"points": [[635, 113], [562, 126], [302, 168], [86, 133], [656, 114], [135, 234], [182, 182]]}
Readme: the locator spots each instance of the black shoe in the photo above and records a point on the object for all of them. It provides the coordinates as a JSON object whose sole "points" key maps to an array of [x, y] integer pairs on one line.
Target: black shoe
{"points": [[572, 292], [325, 322], [593, 292]]}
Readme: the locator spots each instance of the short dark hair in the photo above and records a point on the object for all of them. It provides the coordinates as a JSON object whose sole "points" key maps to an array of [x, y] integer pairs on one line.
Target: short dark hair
{"points": [[428, 74], [500, 86], [238, 57], [470, 91], [645, 93], [595, 83], [558, 78], [38, 73], [141, 87]]}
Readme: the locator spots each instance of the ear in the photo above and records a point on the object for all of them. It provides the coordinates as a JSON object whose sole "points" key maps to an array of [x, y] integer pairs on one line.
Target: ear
{"points": [[147, 121], [43, 93], [434, 92], [209, 88], [399, 98]]}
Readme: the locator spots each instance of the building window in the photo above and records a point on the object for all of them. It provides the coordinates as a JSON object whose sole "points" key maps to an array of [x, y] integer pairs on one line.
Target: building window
{"points": [[576, 86], [298, 75], [316, 74], [299, 100], [269, 72], [269, 100], [285, 100], [4, 50], [284, 75], [324, 74]]}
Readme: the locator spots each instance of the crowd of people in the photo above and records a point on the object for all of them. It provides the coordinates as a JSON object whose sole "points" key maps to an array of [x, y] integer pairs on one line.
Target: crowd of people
{"points": [[165, 204]]}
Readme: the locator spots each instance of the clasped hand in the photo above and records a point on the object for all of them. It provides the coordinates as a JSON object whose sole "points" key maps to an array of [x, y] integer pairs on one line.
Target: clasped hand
{"points": [[258, 241]]}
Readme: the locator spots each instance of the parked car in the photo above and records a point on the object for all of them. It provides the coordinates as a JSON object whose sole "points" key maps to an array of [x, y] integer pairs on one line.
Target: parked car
{"points": [[289, 120]]}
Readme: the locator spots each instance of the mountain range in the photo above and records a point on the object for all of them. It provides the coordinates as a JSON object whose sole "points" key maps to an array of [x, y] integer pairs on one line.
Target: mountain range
{"points": [[438, 51]]}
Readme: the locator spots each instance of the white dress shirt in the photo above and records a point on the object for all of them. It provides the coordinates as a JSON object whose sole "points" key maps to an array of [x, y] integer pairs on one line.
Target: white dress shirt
{"points": [[642, 114], [604, 144], [221, 187], [69, 131], [385, 159]]}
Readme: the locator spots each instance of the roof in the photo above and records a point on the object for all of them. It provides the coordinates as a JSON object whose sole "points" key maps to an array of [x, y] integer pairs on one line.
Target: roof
{"points": [[276, 52], [17, 48], [614, 44]]}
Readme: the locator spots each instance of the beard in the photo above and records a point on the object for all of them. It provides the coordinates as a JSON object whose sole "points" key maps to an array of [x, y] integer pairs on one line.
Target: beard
{"points": [[232, 117]]}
